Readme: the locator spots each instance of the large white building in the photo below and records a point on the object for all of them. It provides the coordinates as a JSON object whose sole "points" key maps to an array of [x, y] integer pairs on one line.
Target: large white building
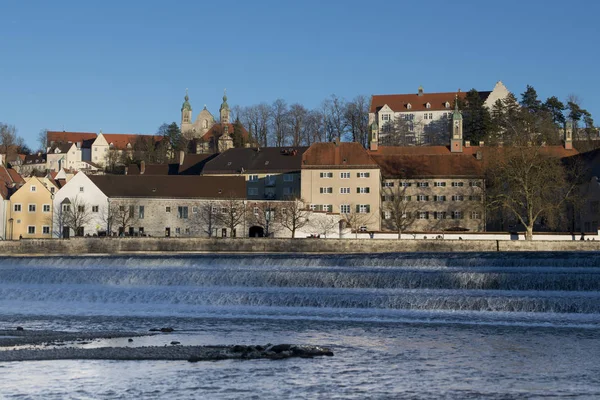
{"points": [[427, 115]]}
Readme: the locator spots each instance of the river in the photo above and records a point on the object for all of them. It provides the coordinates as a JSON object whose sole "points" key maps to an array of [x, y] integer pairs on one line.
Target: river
{"points": [[415, 325]]}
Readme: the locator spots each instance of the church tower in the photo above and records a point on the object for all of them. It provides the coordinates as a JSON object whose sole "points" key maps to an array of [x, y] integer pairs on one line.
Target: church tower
{"points": [[374, 137], [224, 111], [569, 136], [456, 140], [186, 114]]}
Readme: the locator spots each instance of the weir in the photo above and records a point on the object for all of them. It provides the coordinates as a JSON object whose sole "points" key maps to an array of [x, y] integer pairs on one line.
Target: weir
{"points": [[482, 284]]}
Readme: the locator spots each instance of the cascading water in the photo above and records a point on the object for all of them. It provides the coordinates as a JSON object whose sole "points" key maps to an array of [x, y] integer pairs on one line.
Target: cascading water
{"points": [[468, 288]]}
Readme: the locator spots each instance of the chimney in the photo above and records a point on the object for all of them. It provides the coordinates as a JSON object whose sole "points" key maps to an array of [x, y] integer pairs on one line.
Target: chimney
{"points": [[142, 167], [481, 143], [181, 157], [479, 155], [467, 143], [374, 145]]}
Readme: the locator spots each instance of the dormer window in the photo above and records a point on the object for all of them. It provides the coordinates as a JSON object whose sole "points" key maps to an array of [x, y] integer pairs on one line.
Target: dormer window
{"points": [[128, 145], [447, 105], [408, 106], [428, 105]]}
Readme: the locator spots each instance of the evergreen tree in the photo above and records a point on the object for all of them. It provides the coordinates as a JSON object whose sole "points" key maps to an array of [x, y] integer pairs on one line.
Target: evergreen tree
{"points": [[238, 137], [530, 101], [476, 117], [555, 107], [173, 138]]}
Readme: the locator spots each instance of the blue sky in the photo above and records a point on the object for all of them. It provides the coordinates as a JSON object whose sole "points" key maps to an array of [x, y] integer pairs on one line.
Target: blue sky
{"points": [[123, 66]]}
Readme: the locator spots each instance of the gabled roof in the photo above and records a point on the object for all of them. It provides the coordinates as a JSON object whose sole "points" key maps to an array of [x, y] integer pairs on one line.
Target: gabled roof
{"points": [[34, 159], [174, 187], [10, 181], [63, 147], [68, 137], [340, 155], [439, 161], [121, 140], [256, 160], [399, 102]]}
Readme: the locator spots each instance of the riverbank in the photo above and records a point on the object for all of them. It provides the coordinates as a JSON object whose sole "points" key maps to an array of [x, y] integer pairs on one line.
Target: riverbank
{"points": [[82, 246]]}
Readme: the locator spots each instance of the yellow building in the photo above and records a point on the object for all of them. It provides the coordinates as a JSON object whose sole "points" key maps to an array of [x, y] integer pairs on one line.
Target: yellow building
{"points": [[29, 215]]}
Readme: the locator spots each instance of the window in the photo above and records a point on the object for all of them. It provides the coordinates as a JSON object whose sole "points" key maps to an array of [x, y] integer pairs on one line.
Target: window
{"points": [[167, 209], [439, 184], [327, 207], [46, 208], [406, 184], [422, 197], [195, 210], [428, 105], [439, 215], [270, 180], [131, 211], [141, 212], [95, 209], [458, 198], [475, 198], [457, 215], [326, 190], [182, 212], [46, 230], [31, 230], [17, 208], [388, 184], [66, 208], [363, 208], [287, 191], [385, 117], [430, 115], [423, 214], [187, 231], [80, 189], [33, 188], [321, 207], [224, 232], [252, 191], [457, 184], [178, 231], [81, 209], [363, 174], [52, 189], [223, 210], [439, 198], [475, 215], [252, 178], [425, 116], [408, 106], [362, 190], [345, 175], [255, 210], [406, 198], [288, 178], [345, 208], [422, 184], [326, 174], [387, 215], [31, 208], [475, 183]]}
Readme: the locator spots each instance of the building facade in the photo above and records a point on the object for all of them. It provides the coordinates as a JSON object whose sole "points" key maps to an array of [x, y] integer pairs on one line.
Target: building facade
{"points": [[342, 178], [29, 214]]}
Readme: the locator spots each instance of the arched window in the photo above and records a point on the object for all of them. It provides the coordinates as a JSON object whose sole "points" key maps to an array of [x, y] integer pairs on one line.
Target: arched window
{"points": [[427, 105], [205, 124]]}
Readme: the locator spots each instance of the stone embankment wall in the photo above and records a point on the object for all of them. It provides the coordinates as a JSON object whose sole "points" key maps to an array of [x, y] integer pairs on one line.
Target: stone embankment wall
{"points": [[78, 246]]}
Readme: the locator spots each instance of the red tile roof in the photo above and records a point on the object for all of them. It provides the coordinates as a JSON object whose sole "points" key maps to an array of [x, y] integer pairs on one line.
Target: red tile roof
{"points": [[438, 161], [121, 140], [68, 137], [342, 155], [10, 180], [399, 102]]}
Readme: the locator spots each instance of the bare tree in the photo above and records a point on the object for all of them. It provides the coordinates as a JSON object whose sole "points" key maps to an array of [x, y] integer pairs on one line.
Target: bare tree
{"points": [[265, 214], [400, 207], [122, 216], [334, 109], [357, 218], [10, 142], [531, 183], [357, 119], [293, 215], [297, 119], [208, 215], [325, 223], [279, 120], [232, 214], [399, 132], [43, 140], [314, 128], [76, 215]]}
